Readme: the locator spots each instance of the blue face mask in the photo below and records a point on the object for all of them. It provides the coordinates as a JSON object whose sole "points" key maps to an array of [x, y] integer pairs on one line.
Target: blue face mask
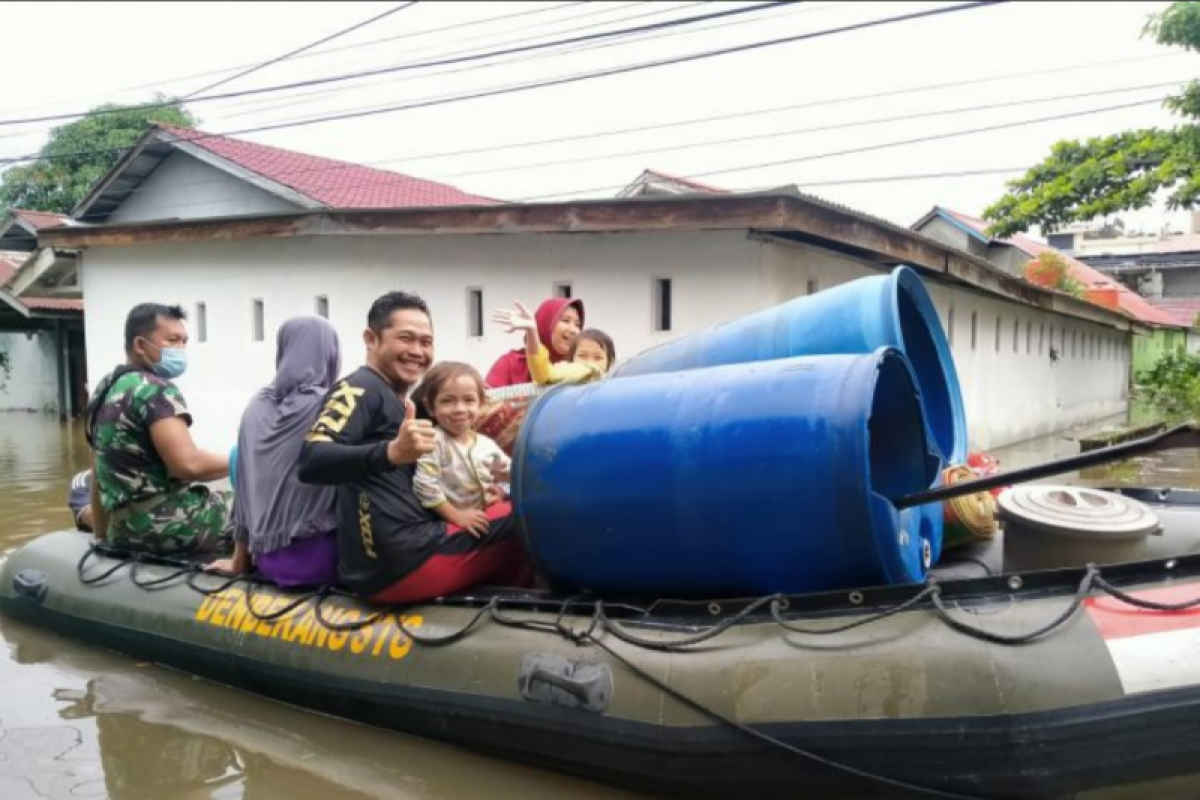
{"points": [[172, 363]]}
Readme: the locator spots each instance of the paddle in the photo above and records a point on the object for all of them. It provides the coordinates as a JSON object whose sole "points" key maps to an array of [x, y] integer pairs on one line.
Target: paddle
{"points": [[1182, 436]]}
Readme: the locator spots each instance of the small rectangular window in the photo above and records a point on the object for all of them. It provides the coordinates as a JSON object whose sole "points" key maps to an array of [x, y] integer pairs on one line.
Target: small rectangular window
{"points": [[1042, 338], [974, 328], [322, 306], [999, 322], [1016, 335], [475, 312], [1029, 337], [950, 326], [662, 304], [813, 287], [563, 289], [259, 321], [201, 322]]}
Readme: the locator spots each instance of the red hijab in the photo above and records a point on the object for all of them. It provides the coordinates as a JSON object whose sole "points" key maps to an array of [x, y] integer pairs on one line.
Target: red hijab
{"points": [[513, 367]]}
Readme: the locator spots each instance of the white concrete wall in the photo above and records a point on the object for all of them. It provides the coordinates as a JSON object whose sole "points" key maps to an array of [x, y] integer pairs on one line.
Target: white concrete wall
{"points": [[1009, 396], [183, 187], [1016, 395], [716, 276], [33, 384]]}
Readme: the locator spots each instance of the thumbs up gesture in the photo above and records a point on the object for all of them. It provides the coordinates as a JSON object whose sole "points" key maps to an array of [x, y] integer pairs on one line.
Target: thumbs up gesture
{"points": [[414, 440]]}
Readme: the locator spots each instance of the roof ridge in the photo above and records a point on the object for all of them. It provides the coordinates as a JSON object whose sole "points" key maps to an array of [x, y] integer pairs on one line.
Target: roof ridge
{"points": [[327, 181]]}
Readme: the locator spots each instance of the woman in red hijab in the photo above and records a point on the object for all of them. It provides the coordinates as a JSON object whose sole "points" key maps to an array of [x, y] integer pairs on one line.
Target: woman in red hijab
{"points": [[559, 321]]}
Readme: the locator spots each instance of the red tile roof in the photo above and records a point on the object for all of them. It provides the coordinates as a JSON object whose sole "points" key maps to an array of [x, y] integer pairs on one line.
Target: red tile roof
{"points": [[336, 184], [1183, 309], [1130, 301], [52, 303], [41, 219]]}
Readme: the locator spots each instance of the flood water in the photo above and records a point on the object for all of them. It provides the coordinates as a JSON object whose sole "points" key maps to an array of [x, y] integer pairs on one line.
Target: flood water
{"points": [[78, 722]]}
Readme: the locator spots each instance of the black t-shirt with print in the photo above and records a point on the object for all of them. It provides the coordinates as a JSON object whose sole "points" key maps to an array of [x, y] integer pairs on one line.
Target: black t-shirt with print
{"points": [[383, 531]]}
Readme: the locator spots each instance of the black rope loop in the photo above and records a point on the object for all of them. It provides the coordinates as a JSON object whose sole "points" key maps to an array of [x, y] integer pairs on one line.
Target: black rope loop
{"points": [[278, 614], [81, 567], [450, 638], [682, 643], [157, 583], [1137, 602], [777, 615], [341, 626], [1085, 587]]}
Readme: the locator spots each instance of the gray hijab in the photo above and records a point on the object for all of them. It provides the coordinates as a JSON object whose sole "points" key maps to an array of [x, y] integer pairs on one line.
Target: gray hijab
{"points": [[271, 507]]}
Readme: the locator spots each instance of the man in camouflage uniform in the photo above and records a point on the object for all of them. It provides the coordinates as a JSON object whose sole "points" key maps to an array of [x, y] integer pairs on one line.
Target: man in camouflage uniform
{"points": [[144, 456]]}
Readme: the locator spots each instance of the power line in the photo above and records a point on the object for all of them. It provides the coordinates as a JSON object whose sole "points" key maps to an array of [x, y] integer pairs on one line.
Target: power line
{"points": [[433, 63], [639, 39], [412, 34], [772, 110], [299, 50], [569, 79], [814, 129], [867, 148], [266, 104], [917, 177], [693, 121]]}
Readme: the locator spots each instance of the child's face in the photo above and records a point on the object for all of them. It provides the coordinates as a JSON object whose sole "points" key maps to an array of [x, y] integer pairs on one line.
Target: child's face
{"points": [[565, 331], [589, 352], [456, 406]]}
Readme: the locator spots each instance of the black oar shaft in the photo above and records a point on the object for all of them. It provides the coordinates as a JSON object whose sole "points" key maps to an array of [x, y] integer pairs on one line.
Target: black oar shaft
{"points": [[1182, 436]]}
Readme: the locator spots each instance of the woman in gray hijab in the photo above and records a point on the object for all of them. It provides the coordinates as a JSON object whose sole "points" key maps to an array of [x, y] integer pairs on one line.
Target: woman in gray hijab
{"points": [[288, 528]]}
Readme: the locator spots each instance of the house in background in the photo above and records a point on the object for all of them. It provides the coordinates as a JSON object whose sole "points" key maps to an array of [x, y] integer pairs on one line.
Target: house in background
{"points": [[653, 183], [244, 236], [1163, 331], [1165, 269], [42, 343]]}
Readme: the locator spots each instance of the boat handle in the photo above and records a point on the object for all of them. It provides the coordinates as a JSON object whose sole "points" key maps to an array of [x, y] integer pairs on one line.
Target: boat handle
{"points": [[572, 686]]}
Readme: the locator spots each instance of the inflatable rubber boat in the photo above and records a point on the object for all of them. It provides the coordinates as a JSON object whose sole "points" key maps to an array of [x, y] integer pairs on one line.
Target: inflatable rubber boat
{"points": [[981, 683]]}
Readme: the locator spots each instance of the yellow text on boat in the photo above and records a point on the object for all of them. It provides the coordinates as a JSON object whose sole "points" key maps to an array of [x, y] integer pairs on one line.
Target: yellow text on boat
{"points": [[229, 609]]}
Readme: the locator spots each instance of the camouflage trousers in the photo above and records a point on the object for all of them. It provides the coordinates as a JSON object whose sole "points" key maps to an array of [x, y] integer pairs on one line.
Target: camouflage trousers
{"points": [[192, 520]]}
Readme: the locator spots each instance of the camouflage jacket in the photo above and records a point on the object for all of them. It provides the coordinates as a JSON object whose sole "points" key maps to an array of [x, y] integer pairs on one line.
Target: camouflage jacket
{"points": [[128, 468]]}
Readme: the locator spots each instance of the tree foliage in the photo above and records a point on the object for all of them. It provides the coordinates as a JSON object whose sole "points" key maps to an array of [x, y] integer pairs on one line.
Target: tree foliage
{"points": [[79, 153], [1083, 180]]}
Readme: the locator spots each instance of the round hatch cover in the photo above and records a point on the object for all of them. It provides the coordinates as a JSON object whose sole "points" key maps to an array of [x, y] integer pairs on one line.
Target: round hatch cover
{"points": [[1077, 511]]}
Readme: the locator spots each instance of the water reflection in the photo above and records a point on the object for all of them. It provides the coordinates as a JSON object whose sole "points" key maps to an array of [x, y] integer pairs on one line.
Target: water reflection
{"points": [[78, 722], [135, 731], [144, 761]]}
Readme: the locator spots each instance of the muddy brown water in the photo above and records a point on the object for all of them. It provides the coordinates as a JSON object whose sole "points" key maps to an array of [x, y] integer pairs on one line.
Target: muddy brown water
{"points": [[79, 722]]}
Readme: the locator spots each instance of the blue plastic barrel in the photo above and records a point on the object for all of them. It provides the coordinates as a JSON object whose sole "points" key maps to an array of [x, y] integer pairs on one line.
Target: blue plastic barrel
{"points": [[752, 478], [892, 310]]}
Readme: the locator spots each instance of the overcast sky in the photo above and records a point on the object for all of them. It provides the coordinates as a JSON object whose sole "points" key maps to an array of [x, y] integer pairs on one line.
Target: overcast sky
{"points": [[66, 57]]}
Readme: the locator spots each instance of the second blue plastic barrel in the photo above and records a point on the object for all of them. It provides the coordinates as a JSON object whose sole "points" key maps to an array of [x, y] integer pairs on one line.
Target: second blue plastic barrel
{"points": [[742, 479], [892, 310]]}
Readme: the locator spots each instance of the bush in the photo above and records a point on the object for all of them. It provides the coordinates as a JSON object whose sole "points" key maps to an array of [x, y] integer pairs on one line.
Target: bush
{"points": [[1173, 384]]}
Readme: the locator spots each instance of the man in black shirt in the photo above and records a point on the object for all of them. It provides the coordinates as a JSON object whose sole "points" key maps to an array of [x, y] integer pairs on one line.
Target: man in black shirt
{"points": [[367, 442]]}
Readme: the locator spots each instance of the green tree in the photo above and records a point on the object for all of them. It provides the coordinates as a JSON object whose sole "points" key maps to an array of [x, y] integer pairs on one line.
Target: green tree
{"points": [[1083, 180], [79, 153]]}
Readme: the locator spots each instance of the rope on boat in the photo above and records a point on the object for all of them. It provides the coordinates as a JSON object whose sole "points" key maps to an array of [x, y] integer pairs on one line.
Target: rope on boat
{"points": [[601, 624], [600, 620], [1085, 588]]}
